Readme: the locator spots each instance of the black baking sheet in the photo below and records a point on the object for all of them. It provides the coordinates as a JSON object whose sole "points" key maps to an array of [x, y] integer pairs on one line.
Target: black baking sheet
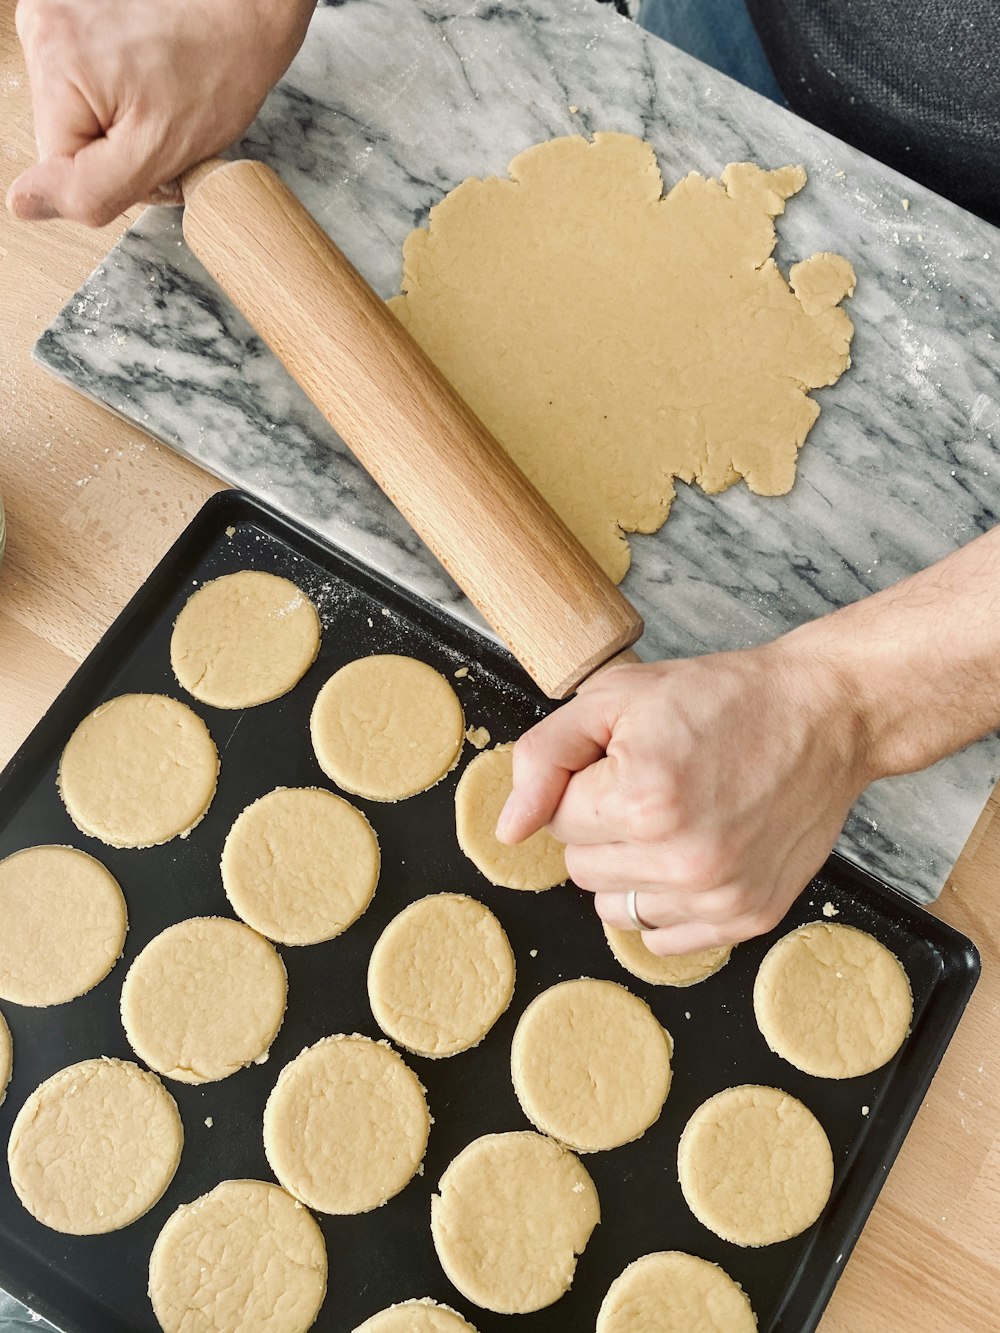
{"points": [[98, 1284]]}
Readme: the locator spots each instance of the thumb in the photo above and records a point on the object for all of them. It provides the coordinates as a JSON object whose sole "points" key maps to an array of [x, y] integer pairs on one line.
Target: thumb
{"points": [[92, 186]]}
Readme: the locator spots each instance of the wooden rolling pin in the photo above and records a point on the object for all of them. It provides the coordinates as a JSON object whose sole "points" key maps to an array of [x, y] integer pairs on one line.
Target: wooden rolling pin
{"points": [[559, 614]]}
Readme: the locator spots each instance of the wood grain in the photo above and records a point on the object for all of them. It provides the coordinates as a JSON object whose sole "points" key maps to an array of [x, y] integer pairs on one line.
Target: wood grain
{"points": [[70, 474]]}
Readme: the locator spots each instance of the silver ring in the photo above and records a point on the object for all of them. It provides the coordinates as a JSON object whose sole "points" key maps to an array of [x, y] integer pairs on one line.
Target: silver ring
{"points": [[633, 912]]}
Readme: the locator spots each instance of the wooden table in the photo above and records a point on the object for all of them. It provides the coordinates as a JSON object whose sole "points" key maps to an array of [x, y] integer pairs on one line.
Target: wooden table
{"points": [[92, 504]]}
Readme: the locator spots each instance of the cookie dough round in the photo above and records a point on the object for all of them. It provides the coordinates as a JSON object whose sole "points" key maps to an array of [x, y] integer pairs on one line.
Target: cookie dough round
{"points": [[441, 975], [386, 727], [300, 865], [513, 1213], [423, 1316], [675, 970], [204, 998], [244, 1256], [139, 770], [95, 1146], [673, 1292], [346, 1125], [832, 1001], [755, 1165], [590, 1064], [6, 1057], [537, 863], [244, 639], [64, 923]]}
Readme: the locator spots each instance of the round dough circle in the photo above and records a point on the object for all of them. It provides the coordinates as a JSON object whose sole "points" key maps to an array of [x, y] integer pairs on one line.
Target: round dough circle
{"points": [[441, 975], [755, 1165], [244, 639], [832, 1001], [6, 1057], [386, 727], [673, 1292], [590, 1064], [139, 770], [64, 923], [244, 1256], [537, 863], [204, 998], [300, 865], [513, 1213], [675, 970], [346, 1125], [95, 1146], [423, 1316]]}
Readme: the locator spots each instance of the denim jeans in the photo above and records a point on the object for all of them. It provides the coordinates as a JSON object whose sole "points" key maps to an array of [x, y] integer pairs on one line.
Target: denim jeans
{"points": [[720, 33]]}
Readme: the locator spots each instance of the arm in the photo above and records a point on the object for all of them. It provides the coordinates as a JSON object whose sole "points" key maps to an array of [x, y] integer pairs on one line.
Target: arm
{"points": [[717, 786], [128, 93]]}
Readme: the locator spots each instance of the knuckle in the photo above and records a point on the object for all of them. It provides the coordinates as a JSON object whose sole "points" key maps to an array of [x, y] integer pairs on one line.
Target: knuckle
{"points": [[649, 814], [579, 869]]}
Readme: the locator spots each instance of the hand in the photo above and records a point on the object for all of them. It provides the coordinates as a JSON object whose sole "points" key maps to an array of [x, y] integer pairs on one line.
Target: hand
{"points": [[128, 93], [715, 787]]}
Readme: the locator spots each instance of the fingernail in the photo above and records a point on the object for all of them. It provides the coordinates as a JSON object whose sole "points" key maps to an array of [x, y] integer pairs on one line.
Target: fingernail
{"points": [[506, 818], [33, 208]]}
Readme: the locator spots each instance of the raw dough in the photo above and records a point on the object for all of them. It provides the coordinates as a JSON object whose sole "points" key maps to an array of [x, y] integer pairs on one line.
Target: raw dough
{"points": [[537, 863], [441, 975], [679, 970], [832, 1001], [755, 1165], [139, 770], [246, 1256], [590, 1064], [95, 1146], [204, 998], [346, 1125], [244, 639], [64, 923], [672, 1292], [513, 1213], [6, 1057], [300, 865], [387, 727], [613, 339], [423, 1316]]}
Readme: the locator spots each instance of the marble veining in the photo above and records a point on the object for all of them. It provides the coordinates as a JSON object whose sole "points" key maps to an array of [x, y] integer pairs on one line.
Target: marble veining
{"points": [[393, 102]]}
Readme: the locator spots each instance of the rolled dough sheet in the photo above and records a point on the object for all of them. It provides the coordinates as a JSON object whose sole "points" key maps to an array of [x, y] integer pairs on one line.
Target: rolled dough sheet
{"points": [[679, 970], [423, 1316], [512, 1214], [243, 1257], [244, 639], [204, 999], [386, 727], [300, 865], [614, 338], [832, 1001], [441, 975], [94, 1147], [537, 863], [139, 770], [672, 1292], [346, 1125], [755, 1165], [590, 1064], [63, 924], [6, 1057]]}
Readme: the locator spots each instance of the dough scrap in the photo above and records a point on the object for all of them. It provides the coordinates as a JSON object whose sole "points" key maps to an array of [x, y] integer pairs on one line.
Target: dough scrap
{"points": [[64, 923], [203, 999], [613, 338], [6, 1057], [676, 970], [300, 865], [590, 1064], [244, 639], [244, 1256], [755, 1165], [512, 1214], [139, 770], [440, 975], [832, 1001], [346, 1125], [537, 863], [422, 1316], [387, 727], [95, 1146], [673, 1292]]}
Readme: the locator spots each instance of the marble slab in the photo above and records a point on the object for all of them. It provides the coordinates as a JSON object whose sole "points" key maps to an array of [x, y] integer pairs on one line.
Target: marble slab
{"points": [[393, 102]]}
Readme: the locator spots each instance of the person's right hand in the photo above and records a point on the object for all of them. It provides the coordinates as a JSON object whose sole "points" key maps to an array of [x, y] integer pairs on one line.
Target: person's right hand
{"points": [[128, 93]]}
